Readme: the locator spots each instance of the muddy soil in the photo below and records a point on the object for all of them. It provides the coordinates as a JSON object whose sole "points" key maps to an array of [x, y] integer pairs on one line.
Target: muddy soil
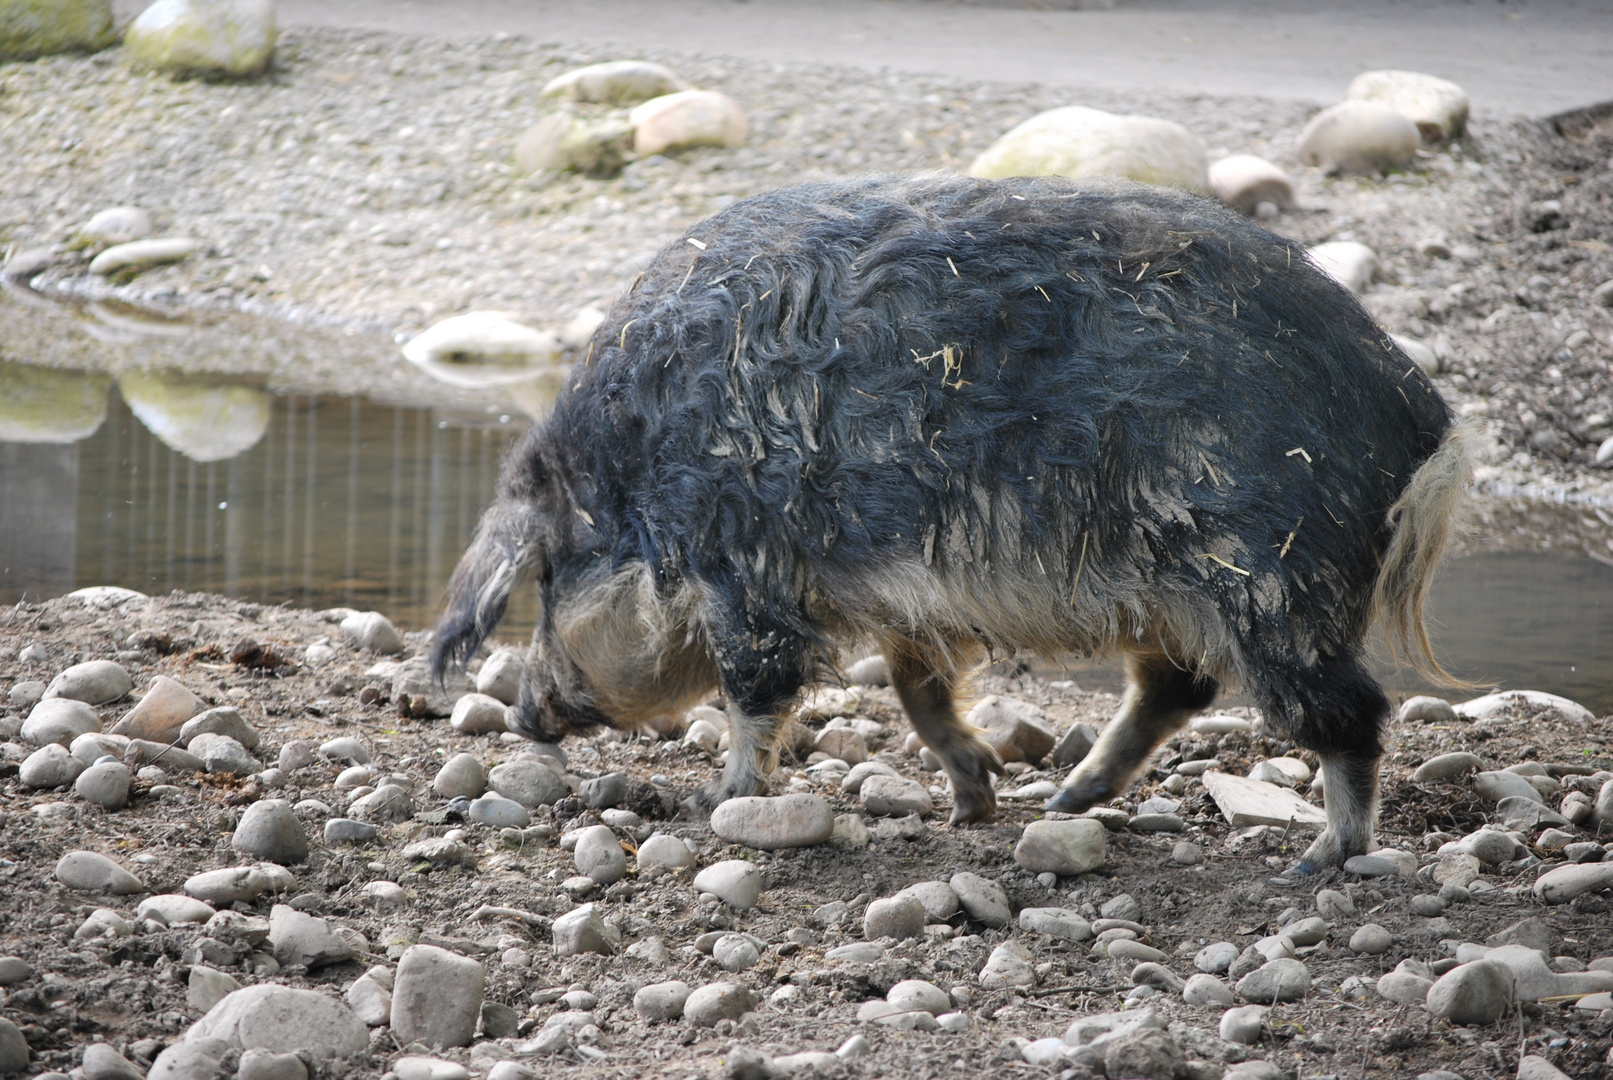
{"points": [[368, 182], [131, 991]]}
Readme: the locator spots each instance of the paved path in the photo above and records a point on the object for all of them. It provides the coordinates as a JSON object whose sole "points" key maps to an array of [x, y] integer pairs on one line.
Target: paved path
{"points": [[1529, 56]]}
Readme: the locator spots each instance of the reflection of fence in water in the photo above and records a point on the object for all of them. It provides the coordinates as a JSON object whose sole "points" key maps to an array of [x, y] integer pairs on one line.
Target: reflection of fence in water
{"points": [[342, 502]]}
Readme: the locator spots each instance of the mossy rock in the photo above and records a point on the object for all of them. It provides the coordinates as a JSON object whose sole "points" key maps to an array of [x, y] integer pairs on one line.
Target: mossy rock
{"points": [[30, 28], [208, 38], [1077, 142]]}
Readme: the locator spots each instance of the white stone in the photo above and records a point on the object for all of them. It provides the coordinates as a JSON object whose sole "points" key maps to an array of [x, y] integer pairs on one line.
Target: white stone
{"points": [[869, 671], [785, 821], [1242, 1025], [207, 987], [581, 930], [59, 720], [1446, 766], [1283, 979], [899, 917], [1244, 181], [222, 754], [660, 1002], [916, 994], [1077, 141], [1066, 848], [460, 776], [1371, 939], [685, 119], [372, 630], [87, 871], [599, 855], [615, 82], [94, 682], [139, 254], [735, 882], [1361, 137], [985, 901], [1216, 958], [1564, 883], [270, 830], [852, 782], [939, 900], [283, 1019], [51, 766], [478, 714], [894, 796], [1008, 965], [345, 748], [1493, 705], [204, 37], [664, 850], [530, 783], [717, 1001], [1206, 989], [117, 225], [1350, 263], [1480, 992], [1438, 107], [1498, 785], [299, 938], [225, 720], [228, 886], [436, 997], [735, 952], [498, 812], [1244, 802], [501, 676], [1421, 354], [1427, 710]]}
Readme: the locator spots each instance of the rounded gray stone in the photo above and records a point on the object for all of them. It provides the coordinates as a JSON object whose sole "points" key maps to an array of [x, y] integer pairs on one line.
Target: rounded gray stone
{"points": [[13, 970], [1283, 979], [1427, 710], [499, 812], [735, 952], [717, 1001], [345, 748], [1404, 987], [735, 882], [283, 1019], [1446, 766], [528, 782], [225, 720], [1216, 958], [1066, 848], [501, 675], [478, 714], [899, 917], [660, 1002], [94, 682], [50, 766], [295, 755], [664, 850], [1206, 989], [770, 824], [894, 796], [269, 830], [436, 997], [581, 930], [103, 1062], [984, 900], [343, 830], [389, 802], [1124, 906], [175, 908], [59, 720], [1479, 992], [224, 754], [1242, 1025], [1055, 922], [106, 784], [460, 776], [221, 888], [911, 995], [599, 855], [14, 1053], [1371, 939], [939, 900], [603, 792], [260, 1064], [88, 871]]}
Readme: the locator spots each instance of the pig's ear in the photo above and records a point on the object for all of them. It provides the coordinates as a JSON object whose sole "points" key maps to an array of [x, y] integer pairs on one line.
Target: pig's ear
{"points": [[509, 549]]}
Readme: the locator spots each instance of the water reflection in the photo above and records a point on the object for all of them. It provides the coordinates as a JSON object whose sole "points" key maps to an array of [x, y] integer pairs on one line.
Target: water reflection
{"points": [[337, 501], [44, 405], [202, 420]]}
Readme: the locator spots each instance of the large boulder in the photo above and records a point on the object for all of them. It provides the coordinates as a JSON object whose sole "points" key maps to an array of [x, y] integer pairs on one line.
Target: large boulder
{"points": [[1360, 137], [688, 118], [615, 82], [204, 421], [30, 28], [1077, 141], [1438, 107], [45, 405], [204, 37]]}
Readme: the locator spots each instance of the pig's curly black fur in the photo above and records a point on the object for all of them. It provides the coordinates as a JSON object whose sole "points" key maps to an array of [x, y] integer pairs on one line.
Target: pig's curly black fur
{"points": [[1159, 414]]}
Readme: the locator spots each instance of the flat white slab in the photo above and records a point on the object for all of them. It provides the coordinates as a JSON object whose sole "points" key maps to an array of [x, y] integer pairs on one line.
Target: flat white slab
{"points": [[1245, 802]]}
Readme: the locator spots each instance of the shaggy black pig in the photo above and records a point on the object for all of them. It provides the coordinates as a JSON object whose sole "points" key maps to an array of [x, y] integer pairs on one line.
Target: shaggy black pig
{"points": [[950, 417]]}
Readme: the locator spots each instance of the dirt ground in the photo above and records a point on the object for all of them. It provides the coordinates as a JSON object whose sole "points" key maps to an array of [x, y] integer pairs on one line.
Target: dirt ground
{"points": [[131, 991]]}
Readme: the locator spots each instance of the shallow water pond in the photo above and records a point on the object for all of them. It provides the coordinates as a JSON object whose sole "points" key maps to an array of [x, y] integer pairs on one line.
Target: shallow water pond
{"points": [[328, 500]]}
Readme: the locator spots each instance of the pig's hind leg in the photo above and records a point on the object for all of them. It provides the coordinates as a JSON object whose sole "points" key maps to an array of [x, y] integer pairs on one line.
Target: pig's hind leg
{"points": [[925, 684], [1159, 698], [1340, 717]]}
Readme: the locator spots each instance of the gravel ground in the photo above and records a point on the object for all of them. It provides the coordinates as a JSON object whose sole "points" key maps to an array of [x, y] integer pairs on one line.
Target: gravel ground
{"points": [[134, 987], [367, 183]]}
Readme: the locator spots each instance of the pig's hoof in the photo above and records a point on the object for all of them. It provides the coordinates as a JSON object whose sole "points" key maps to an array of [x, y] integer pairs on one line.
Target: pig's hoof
{"points": [[971, 804], [1077, 798]]}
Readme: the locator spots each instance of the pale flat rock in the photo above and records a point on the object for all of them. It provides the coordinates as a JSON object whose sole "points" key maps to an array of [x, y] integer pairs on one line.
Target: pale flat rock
{"points": [[94, 682], [51, 766], [1009, 722], [161, 713], [1244, 181], [1077, 141], [898, 917], [895, 796], [664, 850], [685, 119], [59, 720], [1008, 965], [372, 630], [1500, 784], [984, 900], [707, 1005], [225, 720], [1360, 137], [770, 824], [735, 882], [501, 675], [1437, 106], [283, 1019], [89, 871], [1244, 802], [1447, 766], [1066, 848], [299, 938], [1492, 705], [478, 714], [1567, 882], [139, 254], [1425, 709]]}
